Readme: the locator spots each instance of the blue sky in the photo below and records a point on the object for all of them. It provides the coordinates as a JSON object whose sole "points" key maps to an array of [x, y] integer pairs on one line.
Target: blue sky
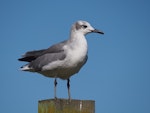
{"points": [[117, 74]]}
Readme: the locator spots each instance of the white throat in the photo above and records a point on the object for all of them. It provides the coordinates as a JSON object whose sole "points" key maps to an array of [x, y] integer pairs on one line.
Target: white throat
{"points": [[78, 40], [78, 48]]}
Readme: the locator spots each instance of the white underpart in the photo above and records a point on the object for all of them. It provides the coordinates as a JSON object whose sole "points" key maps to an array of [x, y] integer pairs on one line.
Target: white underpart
{"points": [[76, 50]]}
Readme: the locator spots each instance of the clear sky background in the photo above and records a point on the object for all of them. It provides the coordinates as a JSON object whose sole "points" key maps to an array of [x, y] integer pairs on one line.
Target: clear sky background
{"points": [[117, 74]]}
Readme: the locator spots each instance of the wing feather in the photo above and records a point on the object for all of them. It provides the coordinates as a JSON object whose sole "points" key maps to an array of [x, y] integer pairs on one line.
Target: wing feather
{"points": [[32, 55]]}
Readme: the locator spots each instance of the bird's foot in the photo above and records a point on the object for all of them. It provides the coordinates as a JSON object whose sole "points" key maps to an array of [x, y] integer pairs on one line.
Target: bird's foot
{"points": [[55, 98]]}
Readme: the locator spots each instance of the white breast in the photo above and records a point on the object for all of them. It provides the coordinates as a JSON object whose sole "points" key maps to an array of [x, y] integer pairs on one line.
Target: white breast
{"points": [[76, 51]]}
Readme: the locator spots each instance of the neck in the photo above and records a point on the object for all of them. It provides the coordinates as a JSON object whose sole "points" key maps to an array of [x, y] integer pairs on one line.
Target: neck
{"points": [[78, 40], [74, 35]]}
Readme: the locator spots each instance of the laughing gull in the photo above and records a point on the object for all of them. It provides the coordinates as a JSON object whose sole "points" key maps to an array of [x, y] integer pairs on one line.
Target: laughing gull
{"points": [[64, 59]]}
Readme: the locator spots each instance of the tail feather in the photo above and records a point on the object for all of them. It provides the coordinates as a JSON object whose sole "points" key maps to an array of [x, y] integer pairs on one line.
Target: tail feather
{"points": [[25, 68]]}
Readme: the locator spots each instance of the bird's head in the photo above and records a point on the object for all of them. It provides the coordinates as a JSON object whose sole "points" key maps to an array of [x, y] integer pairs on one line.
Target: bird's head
{"points": [[84, 28]]}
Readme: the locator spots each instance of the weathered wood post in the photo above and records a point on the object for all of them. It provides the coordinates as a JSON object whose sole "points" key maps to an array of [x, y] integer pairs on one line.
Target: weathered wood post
{"points": [[66, 106]]}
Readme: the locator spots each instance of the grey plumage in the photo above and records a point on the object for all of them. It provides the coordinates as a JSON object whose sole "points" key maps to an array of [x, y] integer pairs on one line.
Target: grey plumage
{"points": [[64, 59], [32, 55]]}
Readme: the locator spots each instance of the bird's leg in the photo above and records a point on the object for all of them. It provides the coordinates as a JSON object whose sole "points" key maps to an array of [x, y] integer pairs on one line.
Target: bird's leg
{"points": [[55, 84], [68, 86]]}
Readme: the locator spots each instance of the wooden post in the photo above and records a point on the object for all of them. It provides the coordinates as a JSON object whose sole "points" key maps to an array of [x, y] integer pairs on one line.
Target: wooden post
{"points": [[66, 106]]}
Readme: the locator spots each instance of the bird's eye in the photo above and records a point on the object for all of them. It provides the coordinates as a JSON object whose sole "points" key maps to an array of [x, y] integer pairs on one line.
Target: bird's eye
{"points": [[84, 26]]}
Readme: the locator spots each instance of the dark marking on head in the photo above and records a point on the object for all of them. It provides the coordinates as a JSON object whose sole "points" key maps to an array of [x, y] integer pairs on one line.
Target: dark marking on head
{"points": [[78, 26]]}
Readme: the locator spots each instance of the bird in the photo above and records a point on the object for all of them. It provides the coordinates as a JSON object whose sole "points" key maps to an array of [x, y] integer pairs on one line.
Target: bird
{"points": [[64, 59]]}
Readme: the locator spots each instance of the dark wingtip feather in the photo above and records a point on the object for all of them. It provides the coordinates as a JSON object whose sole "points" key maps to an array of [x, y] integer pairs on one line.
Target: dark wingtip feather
{"points": [[27, 59], [19, 59]]}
